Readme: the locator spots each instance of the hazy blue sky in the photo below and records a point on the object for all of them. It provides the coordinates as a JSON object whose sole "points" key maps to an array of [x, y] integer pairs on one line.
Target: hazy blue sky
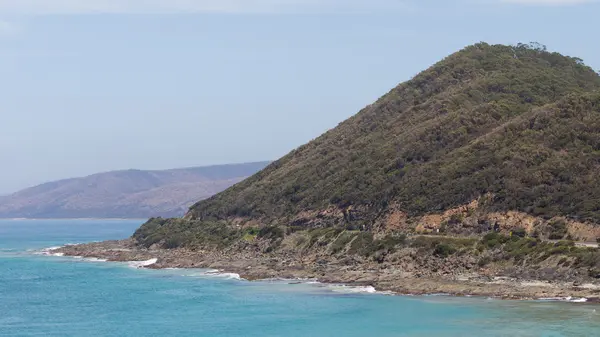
{"points": [[97, 85]]}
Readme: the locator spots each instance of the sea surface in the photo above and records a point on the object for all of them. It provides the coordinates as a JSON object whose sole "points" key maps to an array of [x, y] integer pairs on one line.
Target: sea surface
{"points": [[59, 296]]}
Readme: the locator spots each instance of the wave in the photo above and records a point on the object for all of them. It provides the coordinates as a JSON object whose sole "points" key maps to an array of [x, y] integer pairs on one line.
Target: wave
{"points": [[334, 287], [207, 273], [579, 300], [218, 273], [305, 281], [142, 264], [299, 280], [50, 251], [569, 299], [438, 295], [93, 259], [340, 288]]}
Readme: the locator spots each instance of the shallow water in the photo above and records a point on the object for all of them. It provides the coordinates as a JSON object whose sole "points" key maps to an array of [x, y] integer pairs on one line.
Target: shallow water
{"points": [[59, 296]]}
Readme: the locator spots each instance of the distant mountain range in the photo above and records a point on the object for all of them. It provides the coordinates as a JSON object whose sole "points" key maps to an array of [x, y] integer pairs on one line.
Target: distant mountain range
{"points": [[125, 194]]}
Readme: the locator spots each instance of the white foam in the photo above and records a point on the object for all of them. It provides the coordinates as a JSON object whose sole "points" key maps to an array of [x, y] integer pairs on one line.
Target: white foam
{"points": [[50, 251], [438, 295], [232, 276], [291, 280], [342, 288], [142, 264], [307, 280], [212, 273], [352, 290], [218, 273], [565, 299]]}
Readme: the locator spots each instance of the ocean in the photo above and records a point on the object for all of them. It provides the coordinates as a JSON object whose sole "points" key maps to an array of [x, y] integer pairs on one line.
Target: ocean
{"points": [[59, 296]]}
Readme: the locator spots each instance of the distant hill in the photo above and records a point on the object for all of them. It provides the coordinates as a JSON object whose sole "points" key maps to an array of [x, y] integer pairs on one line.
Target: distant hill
{"points": [[125, 194]]}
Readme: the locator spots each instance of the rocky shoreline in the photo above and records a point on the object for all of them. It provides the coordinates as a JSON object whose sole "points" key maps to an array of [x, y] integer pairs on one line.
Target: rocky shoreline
{"points": [[382, 277]]}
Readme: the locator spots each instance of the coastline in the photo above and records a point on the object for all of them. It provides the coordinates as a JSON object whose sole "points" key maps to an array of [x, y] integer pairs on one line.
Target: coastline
{"points": [[386, 279]]}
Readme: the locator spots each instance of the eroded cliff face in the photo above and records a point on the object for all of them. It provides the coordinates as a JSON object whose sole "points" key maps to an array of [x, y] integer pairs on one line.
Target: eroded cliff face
{"points": [[476, 218]]}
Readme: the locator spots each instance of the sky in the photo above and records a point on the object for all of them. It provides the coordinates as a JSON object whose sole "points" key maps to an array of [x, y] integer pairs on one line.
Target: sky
{"points": [[98, 85]]}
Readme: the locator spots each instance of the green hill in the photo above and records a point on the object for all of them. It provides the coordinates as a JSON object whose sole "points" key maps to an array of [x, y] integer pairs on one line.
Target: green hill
{"points": [[515, 123]]}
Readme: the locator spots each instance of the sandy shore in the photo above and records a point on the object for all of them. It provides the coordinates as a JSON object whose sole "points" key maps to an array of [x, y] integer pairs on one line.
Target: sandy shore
{"points": [[382, 278]]}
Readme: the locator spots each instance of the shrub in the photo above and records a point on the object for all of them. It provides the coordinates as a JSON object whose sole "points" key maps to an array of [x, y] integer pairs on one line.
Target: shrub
{"points": [[559, 250], [520, 248], [456, 218], [594, 272], [484, 261], [384, 246], [271, 232], [252, 231], [323, 236], [520, 232], [493, 240], [250, 234], [444, 227], [558, 229], [443, 250], [342, 240], [176, 241], [361, 244]]}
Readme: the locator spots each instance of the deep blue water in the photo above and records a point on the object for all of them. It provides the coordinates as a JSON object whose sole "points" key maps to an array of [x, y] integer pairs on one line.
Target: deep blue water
{"points": [[57, 296]]}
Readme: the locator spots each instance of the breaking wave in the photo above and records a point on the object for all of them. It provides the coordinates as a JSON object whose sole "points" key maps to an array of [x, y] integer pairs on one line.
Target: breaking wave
{"points": [[142, 264], [50, 251], [565, 299]]}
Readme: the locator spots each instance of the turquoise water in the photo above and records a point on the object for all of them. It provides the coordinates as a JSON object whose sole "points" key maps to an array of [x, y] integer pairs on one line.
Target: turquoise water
{"points": [[57, 296]]}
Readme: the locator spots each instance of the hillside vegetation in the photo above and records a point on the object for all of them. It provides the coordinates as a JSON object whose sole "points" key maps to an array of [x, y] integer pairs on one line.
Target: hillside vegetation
{"points": [[517, 123]]}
